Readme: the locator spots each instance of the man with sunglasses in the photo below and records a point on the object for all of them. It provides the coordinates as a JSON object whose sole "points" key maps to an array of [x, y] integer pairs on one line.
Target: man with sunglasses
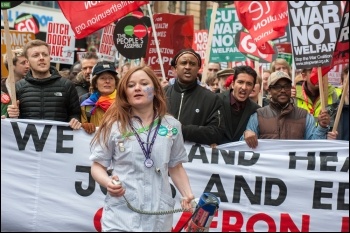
{"points": [[281, 119]]}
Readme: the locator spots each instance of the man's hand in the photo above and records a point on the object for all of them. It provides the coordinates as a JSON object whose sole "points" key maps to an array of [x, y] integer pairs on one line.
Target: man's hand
{"points": [[13, 110], [332, 135], [89, 127], [74, 124], [324, 119], [251, 139]]}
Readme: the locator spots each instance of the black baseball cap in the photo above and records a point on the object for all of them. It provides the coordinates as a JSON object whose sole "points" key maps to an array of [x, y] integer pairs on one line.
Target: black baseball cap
{"points": [[103, 67]]}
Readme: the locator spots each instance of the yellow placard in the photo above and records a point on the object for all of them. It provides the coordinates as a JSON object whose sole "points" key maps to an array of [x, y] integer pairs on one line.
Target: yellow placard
{"points": [[18, 40]]}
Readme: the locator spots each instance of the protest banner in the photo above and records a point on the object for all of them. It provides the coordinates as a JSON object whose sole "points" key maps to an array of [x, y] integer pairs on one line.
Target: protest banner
{"points": [[200, 44], [174, 32], [27, 23], [247, 62], [334, 75], [341, 51], [17, 40], [248, 48], [283, 185], [86, 17], [131, 37], [314, 28], [107, 48], [264, 20], [61, 40], [11, 79], [223, 47]]}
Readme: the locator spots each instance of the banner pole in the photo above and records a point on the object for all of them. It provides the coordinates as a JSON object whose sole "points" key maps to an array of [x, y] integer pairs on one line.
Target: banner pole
{"points": [[156, 41], [210, 38], [257, 69], [341, 103], [321, 87], [11, 77]]}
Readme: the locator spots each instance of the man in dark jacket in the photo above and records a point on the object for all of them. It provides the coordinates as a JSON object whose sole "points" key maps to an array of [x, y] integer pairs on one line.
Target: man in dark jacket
{"points": [[198, 109], [43, 93], [82, 83], [237, 105]]}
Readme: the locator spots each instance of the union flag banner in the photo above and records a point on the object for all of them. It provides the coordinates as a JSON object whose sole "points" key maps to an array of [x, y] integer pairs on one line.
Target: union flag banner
{"points": [[86, 17], [265, 20]]}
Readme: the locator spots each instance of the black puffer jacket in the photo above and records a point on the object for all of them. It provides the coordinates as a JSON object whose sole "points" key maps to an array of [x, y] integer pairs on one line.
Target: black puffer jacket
{"points": [[52, 98]]}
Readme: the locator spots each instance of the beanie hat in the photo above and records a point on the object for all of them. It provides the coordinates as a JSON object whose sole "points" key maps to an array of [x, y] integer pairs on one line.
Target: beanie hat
{"points": [[186, 51]]}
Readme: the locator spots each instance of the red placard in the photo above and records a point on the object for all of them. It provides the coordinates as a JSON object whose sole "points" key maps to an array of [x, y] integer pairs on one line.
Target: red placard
{"points": [[265, 21], [86, 17]]}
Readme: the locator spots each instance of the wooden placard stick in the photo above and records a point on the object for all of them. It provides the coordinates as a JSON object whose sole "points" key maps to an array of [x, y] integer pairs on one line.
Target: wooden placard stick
{"points": [[11, 77]]}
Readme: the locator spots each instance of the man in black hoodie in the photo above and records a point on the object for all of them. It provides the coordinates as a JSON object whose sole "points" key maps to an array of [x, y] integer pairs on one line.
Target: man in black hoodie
{"points": [[198, 109], [43, 93]]}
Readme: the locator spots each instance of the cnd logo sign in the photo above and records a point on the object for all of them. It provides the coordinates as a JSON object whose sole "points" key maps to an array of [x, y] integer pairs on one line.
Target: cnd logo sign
{"points": [[27, 23]]}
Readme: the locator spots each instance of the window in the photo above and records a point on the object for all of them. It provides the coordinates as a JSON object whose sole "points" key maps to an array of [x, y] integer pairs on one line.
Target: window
{"points": [[183, 7], [50, 4]]}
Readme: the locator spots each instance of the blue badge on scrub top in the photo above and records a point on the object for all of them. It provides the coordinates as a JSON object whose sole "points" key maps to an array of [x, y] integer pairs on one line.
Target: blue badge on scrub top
{"points": [[163, 130]]}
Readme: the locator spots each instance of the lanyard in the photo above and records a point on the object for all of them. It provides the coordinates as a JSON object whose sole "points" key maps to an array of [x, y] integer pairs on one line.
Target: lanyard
{"points": [[148, 150]]}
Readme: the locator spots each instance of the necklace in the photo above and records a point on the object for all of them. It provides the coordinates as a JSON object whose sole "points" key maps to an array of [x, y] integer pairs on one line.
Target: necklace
{"points": [[148, 149]]}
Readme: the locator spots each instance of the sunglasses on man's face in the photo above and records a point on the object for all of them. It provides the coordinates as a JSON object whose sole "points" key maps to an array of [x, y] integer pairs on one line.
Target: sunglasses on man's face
{"points": [[286, 87]]}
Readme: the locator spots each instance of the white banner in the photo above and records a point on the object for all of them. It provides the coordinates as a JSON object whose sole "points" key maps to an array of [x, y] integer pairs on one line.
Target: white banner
{"points": [[107, 48], [295, 185], [61, 40]]}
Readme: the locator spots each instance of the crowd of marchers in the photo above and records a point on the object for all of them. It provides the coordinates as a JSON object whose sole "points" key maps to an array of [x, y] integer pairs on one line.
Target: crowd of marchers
{"points": [[140, 122]]}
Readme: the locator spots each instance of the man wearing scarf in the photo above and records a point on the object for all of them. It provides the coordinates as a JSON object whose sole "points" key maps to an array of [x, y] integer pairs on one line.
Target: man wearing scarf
{"points": [[102, 94]]}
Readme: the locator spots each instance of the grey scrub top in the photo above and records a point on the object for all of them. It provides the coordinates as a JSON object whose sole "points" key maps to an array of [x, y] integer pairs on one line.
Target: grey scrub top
{"points": [[146, 188]]}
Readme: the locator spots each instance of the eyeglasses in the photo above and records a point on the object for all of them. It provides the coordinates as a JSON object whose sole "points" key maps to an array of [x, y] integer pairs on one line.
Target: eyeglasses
{"points": [[287, 87]]}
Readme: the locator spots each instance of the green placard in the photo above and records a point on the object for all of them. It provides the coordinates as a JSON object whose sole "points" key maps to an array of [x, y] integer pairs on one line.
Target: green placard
{"points": [[286, 56], [9, 4], [223, 46]]}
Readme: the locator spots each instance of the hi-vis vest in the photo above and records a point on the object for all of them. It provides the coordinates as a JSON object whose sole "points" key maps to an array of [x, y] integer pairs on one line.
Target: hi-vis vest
{"points": [[303, 101]]}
